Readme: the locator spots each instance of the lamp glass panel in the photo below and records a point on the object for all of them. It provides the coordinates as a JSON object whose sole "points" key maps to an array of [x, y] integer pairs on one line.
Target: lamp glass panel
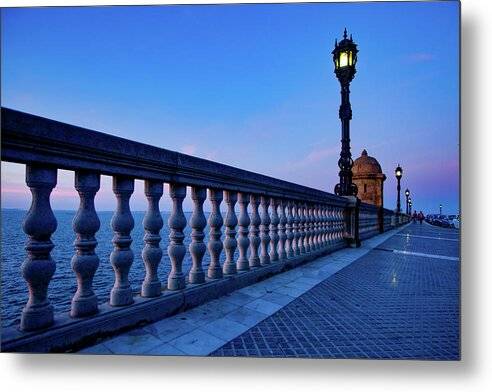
{"points": [[344, 59], [350, 58]]}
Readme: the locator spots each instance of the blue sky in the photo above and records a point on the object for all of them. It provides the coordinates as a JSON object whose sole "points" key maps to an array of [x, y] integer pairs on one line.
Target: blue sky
{"points": [[247, 85]]}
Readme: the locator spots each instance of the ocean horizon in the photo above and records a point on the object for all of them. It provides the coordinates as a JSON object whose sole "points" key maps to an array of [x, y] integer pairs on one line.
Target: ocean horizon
{"points": [[63, 284]]}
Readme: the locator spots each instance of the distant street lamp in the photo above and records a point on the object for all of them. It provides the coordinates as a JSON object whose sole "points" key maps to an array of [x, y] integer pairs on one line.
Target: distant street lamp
{"points": [[398, 174], [410, 206], [440, 209], [345, 58], [407, 194]]}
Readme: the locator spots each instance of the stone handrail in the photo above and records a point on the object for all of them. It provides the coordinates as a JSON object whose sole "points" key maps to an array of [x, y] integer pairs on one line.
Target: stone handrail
{"points": [[286, 224], [369, 222], [32, 139], [387, 219]]}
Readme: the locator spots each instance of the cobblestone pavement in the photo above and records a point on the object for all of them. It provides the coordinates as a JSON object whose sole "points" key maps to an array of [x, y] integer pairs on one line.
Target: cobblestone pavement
{"points": [[399, 301]]}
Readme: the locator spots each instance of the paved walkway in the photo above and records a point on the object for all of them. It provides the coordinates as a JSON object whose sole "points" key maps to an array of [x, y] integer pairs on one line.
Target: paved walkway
{"points": [[399, 301], [204, 329], [383, 300]]}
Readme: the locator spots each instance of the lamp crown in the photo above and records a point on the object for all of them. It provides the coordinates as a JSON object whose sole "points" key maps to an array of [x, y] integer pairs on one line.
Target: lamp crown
{"points": [[345, 33]]}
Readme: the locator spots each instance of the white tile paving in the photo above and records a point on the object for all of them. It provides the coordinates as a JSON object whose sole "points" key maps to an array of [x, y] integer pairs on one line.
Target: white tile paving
{"points": [[201, 330], [197, 342], [263, 306]]}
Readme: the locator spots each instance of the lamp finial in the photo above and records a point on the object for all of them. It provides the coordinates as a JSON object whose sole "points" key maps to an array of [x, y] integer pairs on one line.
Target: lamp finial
{"points": [[345, 33]]}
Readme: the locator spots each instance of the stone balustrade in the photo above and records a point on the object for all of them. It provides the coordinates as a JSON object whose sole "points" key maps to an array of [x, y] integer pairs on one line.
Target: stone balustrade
{"points": [[369, 222], [278, 226]]}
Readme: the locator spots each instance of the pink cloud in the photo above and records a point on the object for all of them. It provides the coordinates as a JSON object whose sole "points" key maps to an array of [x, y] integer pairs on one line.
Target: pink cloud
{"points": [[316, 155], [189, 149], [15, 189], [23, 190], [64, 192]]}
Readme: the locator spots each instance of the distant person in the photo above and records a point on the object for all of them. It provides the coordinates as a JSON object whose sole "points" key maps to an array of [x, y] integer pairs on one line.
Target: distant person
{"points": [[414, 217], [421, 217]]}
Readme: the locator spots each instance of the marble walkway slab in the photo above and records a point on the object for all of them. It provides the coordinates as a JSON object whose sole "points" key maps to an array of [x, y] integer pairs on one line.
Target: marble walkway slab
{"points": [[204, 329]]}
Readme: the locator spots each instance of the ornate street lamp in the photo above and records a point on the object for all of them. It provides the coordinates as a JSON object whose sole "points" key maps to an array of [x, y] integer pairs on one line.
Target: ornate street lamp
{"points": [[345, 58], [407, 194], [398, 174]]}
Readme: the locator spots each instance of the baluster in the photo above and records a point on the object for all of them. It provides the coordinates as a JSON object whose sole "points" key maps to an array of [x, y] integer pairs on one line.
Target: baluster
{"points": [[340, 224], [336, 226], [320, 226], [38, 267], [264, 227], [331, 227], [312, 225], [282, 236], [325, 226], [85, 261], [312, 234], [197, 247], [328, 226], [296, 230], [215, 222], [289, 231], [307, 228], [230, 243], [316, 231], [152, 252], [302, 229], [254, 239], [122, 255], [176, 250], [342, 227], [333, 224], [274, 237], [243, 240]]}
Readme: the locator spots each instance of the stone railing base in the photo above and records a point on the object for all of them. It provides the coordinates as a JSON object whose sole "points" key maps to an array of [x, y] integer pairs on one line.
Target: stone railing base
{"points": [[69, 334]]}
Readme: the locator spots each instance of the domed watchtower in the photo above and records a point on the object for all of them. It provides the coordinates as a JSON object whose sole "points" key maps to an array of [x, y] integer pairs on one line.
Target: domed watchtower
{"points": [[369, 178]]}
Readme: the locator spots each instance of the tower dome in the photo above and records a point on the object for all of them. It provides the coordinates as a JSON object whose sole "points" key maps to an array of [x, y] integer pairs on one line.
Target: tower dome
{"points": [[366, 164], [369, 178]]}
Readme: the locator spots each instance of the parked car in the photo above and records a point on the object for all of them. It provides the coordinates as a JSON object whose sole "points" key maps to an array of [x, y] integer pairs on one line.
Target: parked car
{"points": [[454, 221], [439, 220], [436, 220], [443, 221], [433, 220]]}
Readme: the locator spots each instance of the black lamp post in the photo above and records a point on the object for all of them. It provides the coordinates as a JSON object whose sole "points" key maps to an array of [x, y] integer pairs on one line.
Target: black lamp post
{"points": [[345, 58], [410, 206], [407, 194], [398, 174], [440, 209]]}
